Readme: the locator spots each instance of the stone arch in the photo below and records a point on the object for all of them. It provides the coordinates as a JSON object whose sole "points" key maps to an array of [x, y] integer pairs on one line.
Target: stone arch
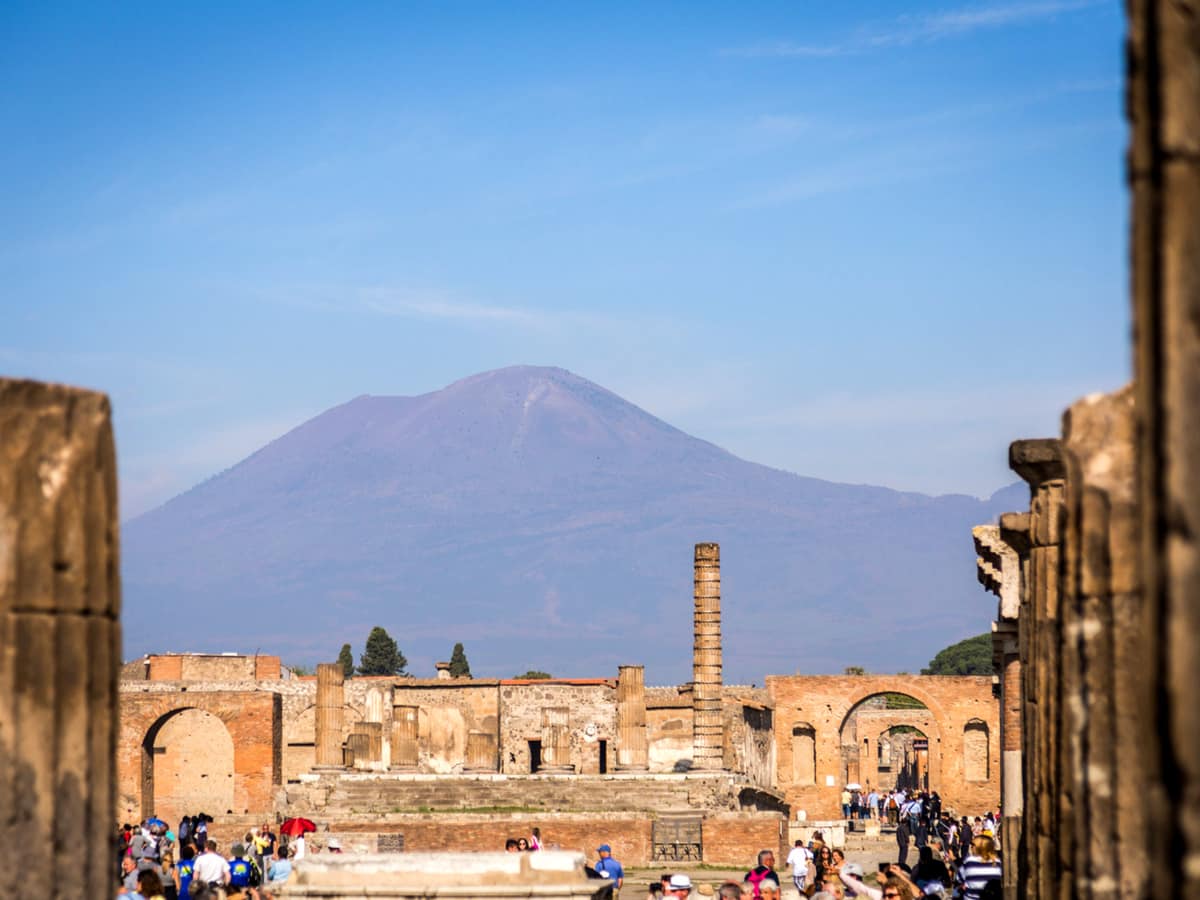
{"points": [[918, 731], [187, 765], [977, 750], [804, 754]]}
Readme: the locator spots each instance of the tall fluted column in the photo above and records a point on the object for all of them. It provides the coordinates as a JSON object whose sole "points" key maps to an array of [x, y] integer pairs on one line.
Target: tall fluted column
{"points": [[632, 748], [707, 729], [331, 700], [60, 639]]}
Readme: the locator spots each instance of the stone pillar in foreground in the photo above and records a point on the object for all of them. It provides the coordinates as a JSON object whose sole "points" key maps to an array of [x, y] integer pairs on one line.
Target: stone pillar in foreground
{"points": [[331, 700], [708, 744], [1163, 103], [60, 639], [632, 748], [556, 740]]}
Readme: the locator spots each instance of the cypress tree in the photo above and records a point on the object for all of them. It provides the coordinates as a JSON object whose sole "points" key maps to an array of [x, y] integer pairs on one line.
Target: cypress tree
{"points": [[459, 667]]}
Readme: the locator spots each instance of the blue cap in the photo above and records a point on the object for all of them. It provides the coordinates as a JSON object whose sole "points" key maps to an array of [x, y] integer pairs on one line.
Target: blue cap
{"points": [[604, 848]]}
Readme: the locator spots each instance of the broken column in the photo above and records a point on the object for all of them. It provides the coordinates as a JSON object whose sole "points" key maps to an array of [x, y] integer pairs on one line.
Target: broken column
{"points": [[60, 639], [556, 740], [632, 747], [404, 737], [1162, 99], [707, 724], [331, 700]]}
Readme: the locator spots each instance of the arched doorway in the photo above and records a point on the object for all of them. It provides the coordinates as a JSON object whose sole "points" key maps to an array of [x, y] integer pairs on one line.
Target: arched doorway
{"points": [[187, 765], [890, 739]]}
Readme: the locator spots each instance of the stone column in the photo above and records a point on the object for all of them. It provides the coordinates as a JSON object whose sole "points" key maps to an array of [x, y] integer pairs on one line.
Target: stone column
{"points": [[1162, 99], [1049, 803], [60, 639], [556, 740], [632, 747], [331, 700], [404, 737], [481, 752], [707, 722]]}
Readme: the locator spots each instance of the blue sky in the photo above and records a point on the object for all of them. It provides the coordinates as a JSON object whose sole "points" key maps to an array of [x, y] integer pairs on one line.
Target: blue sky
{"points": [[870, 242]]}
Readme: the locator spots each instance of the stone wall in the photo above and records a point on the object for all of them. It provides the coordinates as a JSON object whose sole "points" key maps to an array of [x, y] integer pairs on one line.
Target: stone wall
{"points": [[592, 716], [820, 705]]}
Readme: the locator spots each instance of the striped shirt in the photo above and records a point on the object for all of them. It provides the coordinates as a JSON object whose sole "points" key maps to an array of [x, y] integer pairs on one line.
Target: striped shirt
{"points": [[974, 874]]}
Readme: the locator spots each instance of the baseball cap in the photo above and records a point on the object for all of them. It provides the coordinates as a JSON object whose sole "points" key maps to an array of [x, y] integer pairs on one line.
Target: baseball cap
{"points": [[680, 882], [604, 848]]}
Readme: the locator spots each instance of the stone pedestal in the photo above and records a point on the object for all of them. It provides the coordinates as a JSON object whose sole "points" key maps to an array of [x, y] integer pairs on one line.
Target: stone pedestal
{"points": [[632, 746], [60, 640]]}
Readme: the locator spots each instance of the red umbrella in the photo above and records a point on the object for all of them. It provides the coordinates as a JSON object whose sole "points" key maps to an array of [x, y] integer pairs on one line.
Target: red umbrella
{"points": [[295, 827]]}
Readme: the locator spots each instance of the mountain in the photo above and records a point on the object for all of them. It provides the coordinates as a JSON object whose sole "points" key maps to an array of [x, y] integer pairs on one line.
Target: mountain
{"points": [[546, 523]]}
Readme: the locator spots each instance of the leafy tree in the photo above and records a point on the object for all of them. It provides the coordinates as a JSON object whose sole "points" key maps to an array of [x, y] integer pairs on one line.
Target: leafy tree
{"points": [[381, 656], [459, 667], [970, 657], [535, 675], [855, 670], [346, 659], [893, 700]]}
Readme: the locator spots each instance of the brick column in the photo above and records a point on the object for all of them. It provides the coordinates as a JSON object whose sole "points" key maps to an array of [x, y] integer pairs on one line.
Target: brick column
{"points": [[707, 725], [556, 740], [60, 639], [632, 747], [1162, 99], [331, 699]]}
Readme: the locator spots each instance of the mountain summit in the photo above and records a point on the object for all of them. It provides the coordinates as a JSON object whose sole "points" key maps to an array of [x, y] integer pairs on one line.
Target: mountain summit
{"points": [[546, 523]]}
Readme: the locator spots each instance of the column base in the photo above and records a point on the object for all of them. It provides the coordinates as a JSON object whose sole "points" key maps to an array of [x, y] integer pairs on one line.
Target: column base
{"points": [[555, 770]]}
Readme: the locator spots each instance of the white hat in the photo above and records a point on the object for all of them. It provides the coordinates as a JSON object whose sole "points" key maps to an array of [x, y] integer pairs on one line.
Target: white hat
{"points": [[679, 883]]}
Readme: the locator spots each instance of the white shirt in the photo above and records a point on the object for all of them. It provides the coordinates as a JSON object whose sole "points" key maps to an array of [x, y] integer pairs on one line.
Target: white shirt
{"points": [[210, 867], [798, 860], [299, 845]]}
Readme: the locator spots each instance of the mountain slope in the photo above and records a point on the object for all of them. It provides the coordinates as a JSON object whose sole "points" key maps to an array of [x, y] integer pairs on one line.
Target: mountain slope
{"points": [[547, 523]]}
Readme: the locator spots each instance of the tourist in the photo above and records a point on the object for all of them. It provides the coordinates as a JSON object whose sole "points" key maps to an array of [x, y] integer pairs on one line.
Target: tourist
{"points": [[510, 846], [873, 805], [768, 889], [299, 847], [930, 871], [730, 890], [965, 838], [839, 860], [610, 868], [679, 887], [334, 845], [800, 858], [265, 844], [129, 872], [851, 875], [241, 870], [763, 871], [846, 803], [981, 866], [182, 875], [822, 862], [833, 887], [522, 844], [535, 839], [210, 868], [280, 869], [902, 838], [150, 886]]}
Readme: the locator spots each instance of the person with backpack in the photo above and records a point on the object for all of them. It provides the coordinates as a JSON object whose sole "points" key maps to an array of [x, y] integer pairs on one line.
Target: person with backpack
{"points": [[241, 870]]}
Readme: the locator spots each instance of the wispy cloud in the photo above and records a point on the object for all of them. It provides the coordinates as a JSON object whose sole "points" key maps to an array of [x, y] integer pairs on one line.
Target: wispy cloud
{"points": [[919, 29]]}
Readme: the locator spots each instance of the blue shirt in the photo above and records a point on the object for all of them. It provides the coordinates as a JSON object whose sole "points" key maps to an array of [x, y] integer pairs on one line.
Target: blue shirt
{"points": [[185, 876], [610, 868], [239, 872], [280, 870]]}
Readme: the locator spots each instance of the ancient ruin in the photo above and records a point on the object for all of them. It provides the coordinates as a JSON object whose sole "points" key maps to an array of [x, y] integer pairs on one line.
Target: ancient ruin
{"points": [[729, 764]]}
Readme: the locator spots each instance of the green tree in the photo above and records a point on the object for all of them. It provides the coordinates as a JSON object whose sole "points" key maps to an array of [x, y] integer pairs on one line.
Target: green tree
{"points": [[381, 656], [855, 670], [346, 660], [459, 667], [535, 675], [970, 657]]}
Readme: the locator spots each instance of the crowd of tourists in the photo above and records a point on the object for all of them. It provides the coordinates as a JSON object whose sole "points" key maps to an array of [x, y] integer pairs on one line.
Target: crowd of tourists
{"points": [[157, 863]]}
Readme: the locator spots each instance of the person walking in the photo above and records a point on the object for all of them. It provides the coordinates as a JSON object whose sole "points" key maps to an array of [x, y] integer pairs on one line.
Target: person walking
{"points": [[800, 859], [902, 839], [610, 868]]}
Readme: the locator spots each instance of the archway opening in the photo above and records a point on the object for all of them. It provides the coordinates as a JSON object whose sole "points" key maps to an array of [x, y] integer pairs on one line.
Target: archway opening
{"points": [[187, 766], [885, 743], [977, 751], [804, 754]]}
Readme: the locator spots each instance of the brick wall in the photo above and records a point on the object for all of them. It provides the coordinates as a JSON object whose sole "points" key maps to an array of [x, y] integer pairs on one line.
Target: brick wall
{"points": [[734, 839]]}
